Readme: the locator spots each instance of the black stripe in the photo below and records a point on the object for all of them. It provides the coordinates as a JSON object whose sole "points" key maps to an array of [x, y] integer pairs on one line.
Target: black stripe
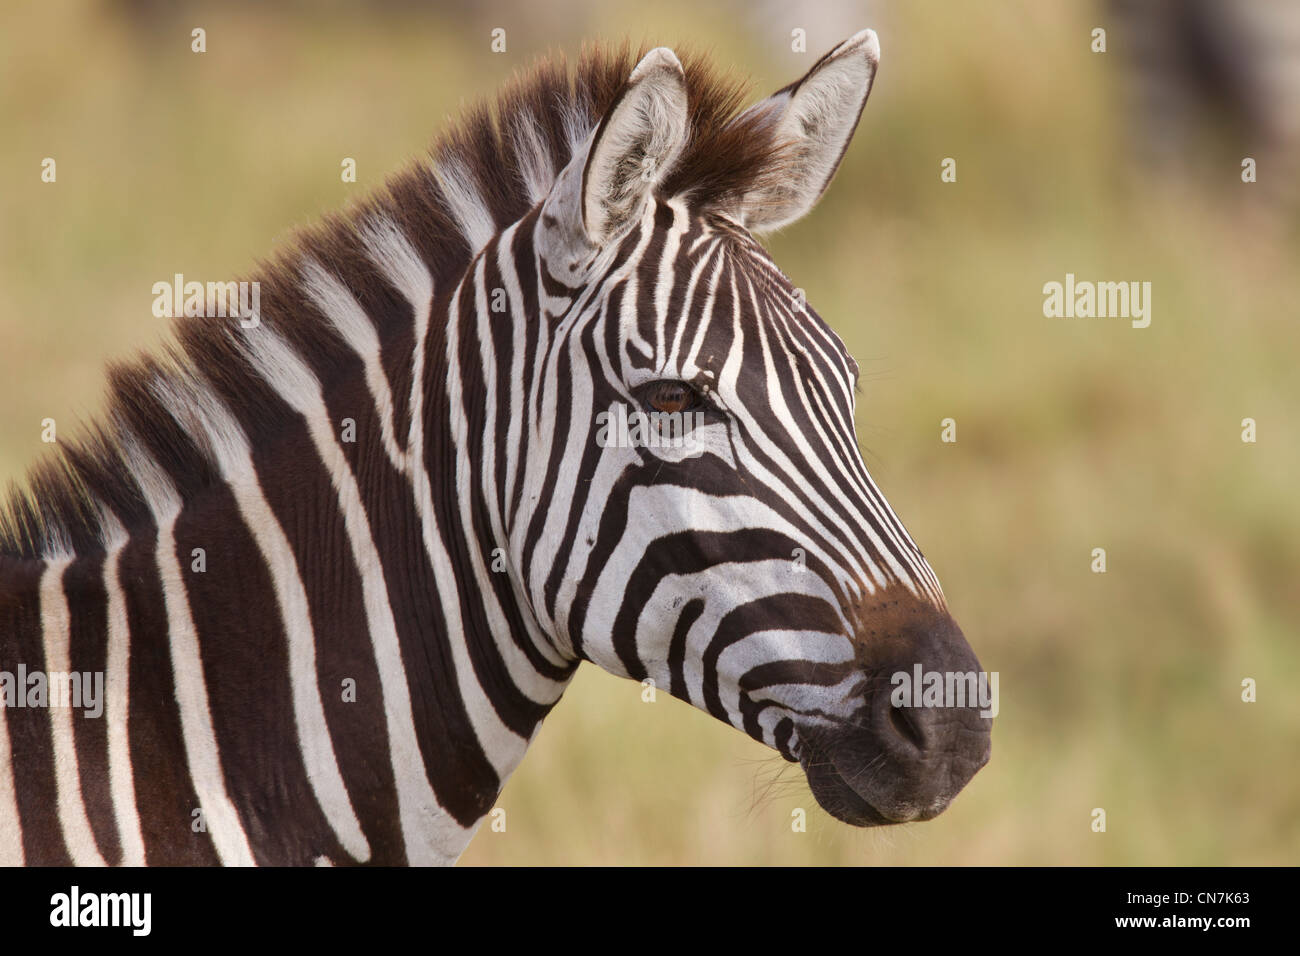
{"points": [[30, 730], [83, 586]]}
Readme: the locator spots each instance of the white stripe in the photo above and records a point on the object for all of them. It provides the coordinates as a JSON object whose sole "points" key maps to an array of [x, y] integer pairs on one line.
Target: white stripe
{"points": [[577, 125], [117, 712], [196, 715], [56, 635], [431, 835], [461, 195], [201, 752], [401, 265], [533, 156], [337, 304]]}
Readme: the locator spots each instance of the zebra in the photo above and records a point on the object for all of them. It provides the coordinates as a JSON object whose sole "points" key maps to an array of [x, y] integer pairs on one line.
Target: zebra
{"points": [[337, 563]]}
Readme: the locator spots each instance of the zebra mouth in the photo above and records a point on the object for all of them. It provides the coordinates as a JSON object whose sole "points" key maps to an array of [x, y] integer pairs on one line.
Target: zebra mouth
{"points": [[837, 798], [866, 782], [837, 795]]}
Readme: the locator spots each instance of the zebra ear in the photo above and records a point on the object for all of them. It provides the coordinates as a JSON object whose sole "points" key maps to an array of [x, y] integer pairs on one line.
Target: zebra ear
{"points": [[603, 189], [816, 116]]}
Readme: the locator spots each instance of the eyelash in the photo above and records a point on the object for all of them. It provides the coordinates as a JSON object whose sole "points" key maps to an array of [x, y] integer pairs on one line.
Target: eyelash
{"points": [[659, 396]]}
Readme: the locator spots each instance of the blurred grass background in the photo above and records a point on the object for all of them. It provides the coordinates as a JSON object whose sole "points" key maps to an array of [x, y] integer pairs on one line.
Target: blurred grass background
{"points": [[1118, 690]]}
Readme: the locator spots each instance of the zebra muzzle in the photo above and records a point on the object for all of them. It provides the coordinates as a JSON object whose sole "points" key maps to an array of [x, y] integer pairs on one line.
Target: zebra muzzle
{"points": [[920, 730]]}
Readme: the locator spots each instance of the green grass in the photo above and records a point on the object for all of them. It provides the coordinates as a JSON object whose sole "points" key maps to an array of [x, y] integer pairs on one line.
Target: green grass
{"points": [[1119, 691]]}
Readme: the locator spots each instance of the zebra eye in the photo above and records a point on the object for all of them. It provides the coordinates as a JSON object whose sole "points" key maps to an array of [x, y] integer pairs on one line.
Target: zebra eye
{"points": [[669, 396]]}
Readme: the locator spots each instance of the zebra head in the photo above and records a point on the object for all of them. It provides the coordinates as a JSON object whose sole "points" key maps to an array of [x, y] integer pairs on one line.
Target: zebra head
{"points": [[700, 514]]}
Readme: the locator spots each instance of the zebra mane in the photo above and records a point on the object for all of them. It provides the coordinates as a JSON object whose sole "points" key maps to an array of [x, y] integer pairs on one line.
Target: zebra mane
{"points": [[487, 170]]}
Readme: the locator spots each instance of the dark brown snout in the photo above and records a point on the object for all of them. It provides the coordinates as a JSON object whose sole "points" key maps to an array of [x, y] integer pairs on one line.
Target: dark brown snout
{"points": [[919, 732]]}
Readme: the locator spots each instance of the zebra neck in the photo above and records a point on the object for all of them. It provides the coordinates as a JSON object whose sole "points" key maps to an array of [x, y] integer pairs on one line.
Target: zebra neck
{"points": [[315, 651]]}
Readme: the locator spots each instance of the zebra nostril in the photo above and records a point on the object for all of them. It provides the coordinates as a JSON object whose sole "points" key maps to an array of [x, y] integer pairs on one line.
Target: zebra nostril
{"points": [[905, 725]]}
